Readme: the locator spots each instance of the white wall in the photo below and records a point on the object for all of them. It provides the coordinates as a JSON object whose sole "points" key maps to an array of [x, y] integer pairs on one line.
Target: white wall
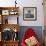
{"points": [[33, 3], [26, 3]]}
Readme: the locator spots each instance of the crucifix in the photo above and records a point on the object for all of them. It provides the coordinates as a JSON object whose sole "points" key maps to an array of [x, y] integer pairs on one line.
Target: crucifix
{"points": [[15, 3]]}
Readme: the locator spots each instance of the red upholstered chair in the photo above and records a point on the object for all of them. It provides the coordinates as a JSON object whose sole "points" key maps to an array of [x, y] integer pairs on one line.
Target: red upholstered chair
{"points": [[28, 34]]}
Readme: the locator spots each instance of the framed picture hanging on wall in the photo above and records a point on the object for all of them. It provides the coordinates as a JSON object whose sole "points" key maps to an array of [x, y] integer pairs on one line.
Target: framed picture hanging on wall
{"points": [[29, 13]]}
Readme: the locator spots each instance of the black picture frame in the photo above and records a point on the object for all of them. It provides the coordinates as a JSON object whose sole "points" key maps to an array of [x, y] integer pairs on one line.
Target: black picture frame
{"points": [[29, 13]]}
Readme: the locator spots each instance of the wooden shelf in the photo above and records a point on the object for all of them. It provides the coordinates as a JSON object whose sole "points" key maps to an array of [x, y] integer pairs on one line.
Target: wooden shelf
{"points": [[11, 26], [4, 8], [9, 43], [4, 12], [8, 10]]}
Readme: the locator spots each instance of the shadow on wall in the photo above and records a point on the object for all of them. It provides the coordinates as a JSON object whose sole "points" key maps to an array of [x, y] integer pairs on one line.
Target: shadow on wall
{"points": [[37, 29]]}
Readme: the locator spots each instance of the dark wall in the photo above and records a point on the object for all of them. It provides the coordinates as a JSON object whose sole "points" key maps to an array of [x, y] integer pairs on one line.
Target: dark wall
{"points": [[37, 29]]}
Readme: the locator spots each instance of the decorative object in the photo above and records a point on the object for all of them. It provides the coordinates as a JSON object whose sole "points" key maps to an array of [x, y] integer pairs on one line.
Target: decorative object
{"points": [[5, 12], [13, 12], [30, 13], [15, 3]]}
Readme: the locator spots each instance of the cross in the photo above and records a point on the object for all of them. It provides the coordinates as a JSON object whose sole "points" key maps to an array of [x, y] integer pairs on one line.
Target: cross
{"points": [[15, 3]]}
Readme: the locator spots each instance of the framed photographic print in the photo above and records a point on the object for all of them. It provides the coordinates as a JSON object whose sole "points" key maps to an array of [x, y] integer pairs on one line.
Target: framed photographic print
{"points": [[5, 12], [29, 13]]}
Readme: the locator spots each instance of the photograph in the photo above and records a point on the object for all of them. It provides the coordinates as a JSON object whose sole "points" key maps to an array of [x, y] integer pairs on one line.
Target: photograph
{"points": [[30, 13], [5, 12]]}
